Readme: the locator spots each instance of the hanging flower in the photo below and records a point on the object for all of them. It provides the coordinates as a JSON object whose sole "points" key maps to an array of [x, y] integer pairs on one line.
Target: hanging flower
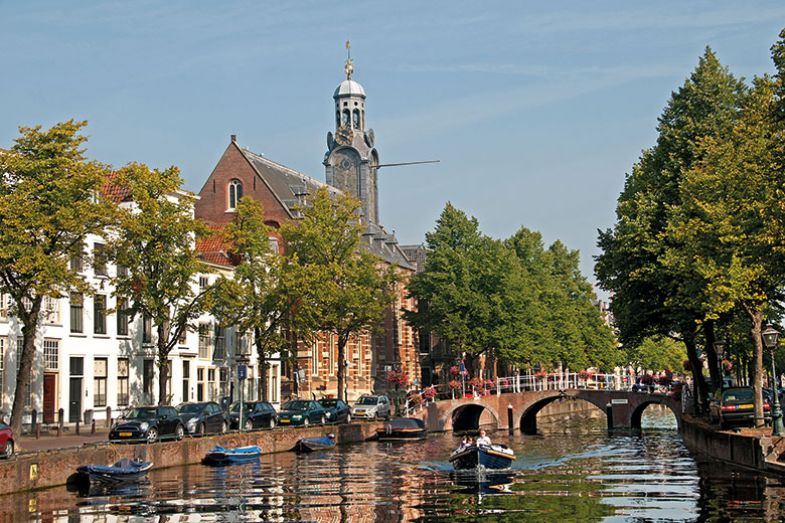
{"points": [[454, 384], [455, 370], [540, 374], [397, 378], [475, 382], [490, 384], [429, 393], [727, 365], [415, 400], [584, 374]]}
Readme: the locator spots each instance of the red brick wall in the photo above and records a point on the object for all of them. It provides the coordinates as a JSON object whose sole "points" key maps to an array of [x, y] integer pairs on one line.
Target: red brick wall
{"points": [[212, 204]]}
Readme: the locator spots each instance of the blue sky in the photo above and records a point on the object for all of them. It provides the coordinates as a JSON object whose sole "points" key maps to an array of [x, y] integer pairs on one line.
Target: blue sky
{"points": [[535, 109]]}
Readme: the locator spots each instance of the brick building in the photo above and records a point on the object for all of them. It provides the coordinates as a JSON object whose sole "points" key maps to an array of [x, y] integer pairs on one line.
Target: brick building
{"points": [[351, 165]]}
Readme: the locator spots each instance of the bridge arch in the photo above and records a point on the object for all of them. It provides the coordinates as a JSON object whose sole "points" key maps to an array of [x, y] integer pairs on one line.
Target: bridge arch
{"points": [[469, 415], [637, 413], [528, 419]]}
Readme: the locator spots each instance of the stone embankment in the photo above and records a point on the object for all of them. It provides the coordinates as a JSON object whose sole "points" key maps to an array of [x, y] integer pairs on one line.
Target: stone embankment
{"points": [[748, 448], [54, 467]]}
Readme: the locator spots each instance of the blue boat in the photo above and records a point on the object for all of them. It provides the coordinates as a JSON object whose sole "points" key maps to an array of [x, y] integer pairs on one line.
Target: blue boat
{"points": [[221, 456], [494, 457], [315, 444], [124, 471]]}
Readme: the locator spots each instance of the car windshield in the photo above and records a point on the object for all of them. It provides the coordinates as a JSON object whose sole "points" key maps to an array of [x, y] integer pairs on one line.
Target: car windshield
{"points": [[328, 403], [144, 413], [190, 408], [739, 395], [246, 407], [296, 405], [367, 400]]}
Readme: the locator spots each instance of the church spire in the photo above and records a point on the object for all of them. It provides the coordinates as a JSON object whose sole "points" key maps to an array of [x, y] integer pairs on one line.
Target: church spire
{"points": [[349, 67]]}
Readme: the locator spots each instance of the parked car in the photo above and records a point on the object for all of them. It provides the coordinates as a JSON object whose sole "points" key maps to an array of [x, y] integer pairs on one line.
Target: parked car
{"points": [[256, 414], [7, 447], [371, 407], [302, 412], [203, 418], [148, 424], [735, 406], [337, 411]]}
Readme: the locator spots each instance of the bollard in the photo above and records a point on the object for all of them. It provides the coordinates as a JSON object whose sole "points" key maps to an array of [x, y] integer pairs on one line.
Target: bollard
{"points": [[108, 417], [38, 431], [61, 421], [33, 421], [609, 415], [59, 430], [92, 427], [510, 427], [77, 427]]}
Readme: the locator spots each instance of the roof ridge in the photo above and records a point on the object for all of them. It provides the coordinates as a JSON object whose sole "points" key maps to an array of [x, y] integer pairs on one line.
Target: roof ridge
{"points": [[295, 172]]}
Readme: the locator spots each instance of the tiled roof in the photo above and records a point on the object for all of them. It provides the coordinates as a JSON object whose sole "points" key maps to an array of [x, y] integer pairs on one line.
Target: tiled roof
{"points": [[113, 191], [213, 249]]}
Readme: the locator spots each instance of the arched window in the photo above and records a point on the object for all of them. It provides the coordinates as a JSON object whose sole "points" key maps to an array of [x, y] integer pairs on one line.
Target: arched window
{"points": [[235, 193], [346, 118], [356, 119]]}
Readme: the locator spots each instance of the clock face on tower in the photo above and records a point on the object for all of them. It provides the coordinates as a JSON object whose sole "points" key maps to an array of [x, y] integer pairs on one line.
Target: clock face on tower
{"points": [[345, 170]]}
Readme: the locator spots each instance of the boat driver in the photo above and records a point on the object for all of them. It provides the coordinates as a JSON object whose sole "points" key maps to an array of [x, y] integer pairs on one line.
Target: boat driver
{"points": [[484, 439]]}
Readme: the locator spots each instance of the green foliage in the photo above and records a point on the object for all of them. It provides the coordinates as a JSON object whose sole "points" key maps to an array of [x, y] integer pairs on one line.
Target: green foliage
{"points": [[658, 353], [50, 200], [524, 303], [350, 288], [156, 243], [265, 289]]}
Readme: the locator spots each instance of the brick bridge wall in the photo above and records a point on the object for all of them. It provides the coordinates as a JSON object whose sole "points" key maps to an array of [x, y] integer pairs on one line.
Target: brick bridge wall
{"points": [[625, 409]]}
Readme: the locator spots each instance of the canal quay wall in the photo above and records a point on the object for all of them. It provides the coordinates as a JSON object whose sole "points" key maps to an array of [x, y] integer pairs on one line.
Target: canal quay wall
{"points": [[759, 452], [52, 468]]}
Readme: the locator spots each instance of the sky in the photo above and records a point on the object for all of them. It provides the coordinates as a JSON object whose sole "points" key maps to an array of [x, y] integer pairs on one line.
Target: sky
{"points": [[536, 110]]}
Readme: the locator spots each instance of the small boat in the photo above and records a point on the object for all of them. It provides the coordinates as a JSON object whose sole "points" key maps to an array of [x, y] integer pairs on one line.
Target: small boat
{"points": [[315, 444], [402, 429], [125, 470], [221, 456], [482, 457]]}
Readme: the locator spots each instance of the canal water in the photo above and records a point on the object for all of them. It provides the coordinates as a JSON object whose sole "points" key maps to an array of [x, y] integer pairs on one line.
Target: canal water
{"points": [[573, 471]]}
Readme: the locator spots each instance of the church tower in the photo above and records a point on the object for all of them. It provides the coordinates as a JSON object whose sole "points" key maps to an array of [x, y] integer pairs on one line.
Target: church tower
{"points": [[351, 162]]}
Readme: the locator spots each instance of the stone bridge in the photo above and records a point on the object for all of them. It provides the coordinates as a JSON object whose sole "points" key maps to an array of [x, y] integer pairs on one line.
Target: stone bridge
{"points": [[623, 409]]}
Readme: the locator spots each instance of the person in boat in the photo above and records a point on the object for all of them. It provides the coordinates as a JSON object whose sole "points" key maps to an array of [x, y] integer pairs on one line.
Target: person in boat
{"points": [[465, 442], [484, 439]]}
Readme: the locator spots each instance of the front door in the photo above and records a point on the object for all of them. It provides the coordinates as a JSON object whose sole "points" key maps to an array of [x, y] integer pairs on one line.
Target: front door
{"points": [[50, 395], [75, 394]]}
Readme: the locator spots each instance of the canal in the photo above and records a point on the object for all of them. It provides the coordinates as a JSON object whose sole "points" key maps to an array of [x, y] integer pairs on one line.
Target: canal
{"points": [[573, 471]]}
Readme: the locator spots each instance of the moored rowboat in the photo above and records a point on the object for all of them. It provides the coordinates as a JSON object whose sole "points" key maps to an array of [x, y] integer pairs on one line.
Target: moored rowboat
{"points": [[221, 456], [125, 470], [402, 429], [315, 444]]}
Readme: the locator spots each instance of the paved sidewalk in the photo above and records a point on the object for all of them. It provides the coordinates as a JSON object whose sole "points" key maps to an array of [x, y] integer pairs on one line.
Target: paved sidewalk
{"points": [[28, 443]]}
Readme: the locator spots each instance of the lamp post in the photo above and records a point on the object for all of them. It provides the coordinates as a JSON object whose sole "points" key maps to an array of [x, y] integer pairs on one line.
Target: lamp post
{"points": [[770, 338], [719, 350], [241, 360]]}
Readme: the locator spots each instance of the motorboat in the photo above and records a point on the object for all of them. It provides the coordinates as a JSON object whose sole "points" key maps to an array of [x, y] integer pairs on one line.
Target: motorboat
{"points": [[219, 455], [315, 444], [402, 429], [124, 471], [475, 456]]}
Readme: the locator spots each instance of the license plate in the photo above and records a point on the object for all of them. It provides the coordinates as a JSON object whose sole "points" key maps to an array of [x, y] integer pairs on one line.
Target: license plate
{"points": [[746, 406], [283, 421], [126, 434], [360, 412]]}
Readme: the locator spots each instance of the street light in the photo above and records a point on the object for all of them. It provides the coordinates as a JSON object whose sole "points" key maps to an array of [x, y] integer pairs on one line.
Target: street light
{"points": [[770, 338]]}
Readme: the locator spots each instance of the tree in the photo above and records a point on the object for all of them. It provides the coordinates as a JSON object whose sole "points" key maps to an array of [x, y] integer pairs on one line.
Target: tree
{"points": [[472, 292], [354, 288], [651, 296], [156, 243], [50, 200], [658, 353], [732, 221], [265, 289]]}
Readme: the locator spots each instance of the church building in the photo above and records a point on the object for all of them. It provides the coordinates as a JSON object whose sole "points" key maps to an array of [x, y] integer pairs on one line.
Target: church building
{"points": [[351, 166]]}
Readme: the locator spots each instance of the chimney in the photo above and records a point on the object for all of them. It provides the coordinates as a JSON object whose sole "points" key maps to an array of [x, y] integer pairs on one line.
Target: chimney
{"points": [[234, 138]]}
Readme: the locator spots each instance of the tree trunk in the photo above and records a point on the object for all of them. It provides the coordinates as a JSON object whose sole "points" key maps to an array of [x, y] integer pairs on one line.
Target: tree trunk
{"points": [[262, 357], [715, 370], [757, 381], [24, 374], [163, 362], [699, 383], [342, 340]]}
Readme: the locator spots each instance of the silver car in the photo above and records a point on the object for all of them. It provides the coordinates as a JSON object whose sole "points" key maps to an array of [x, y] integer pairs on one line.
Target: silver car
{"points": [[371, 407]]}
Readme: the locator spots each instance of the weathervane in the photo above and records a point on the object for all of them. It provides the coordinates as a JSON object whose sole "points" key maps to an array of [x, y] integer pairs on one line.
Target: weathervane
{"points": [[349, 67]]}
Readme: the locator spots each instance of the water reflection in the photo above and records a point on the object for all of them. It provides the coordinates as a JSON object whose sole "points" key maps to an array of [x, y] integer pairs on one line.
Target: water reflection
{"points": [[572, 471]]}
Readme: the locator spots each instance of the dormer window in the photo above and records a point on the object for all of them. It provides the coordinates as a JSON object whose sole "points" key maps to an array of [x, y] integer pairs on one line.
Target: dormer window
{"points": [[235, 193]]}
